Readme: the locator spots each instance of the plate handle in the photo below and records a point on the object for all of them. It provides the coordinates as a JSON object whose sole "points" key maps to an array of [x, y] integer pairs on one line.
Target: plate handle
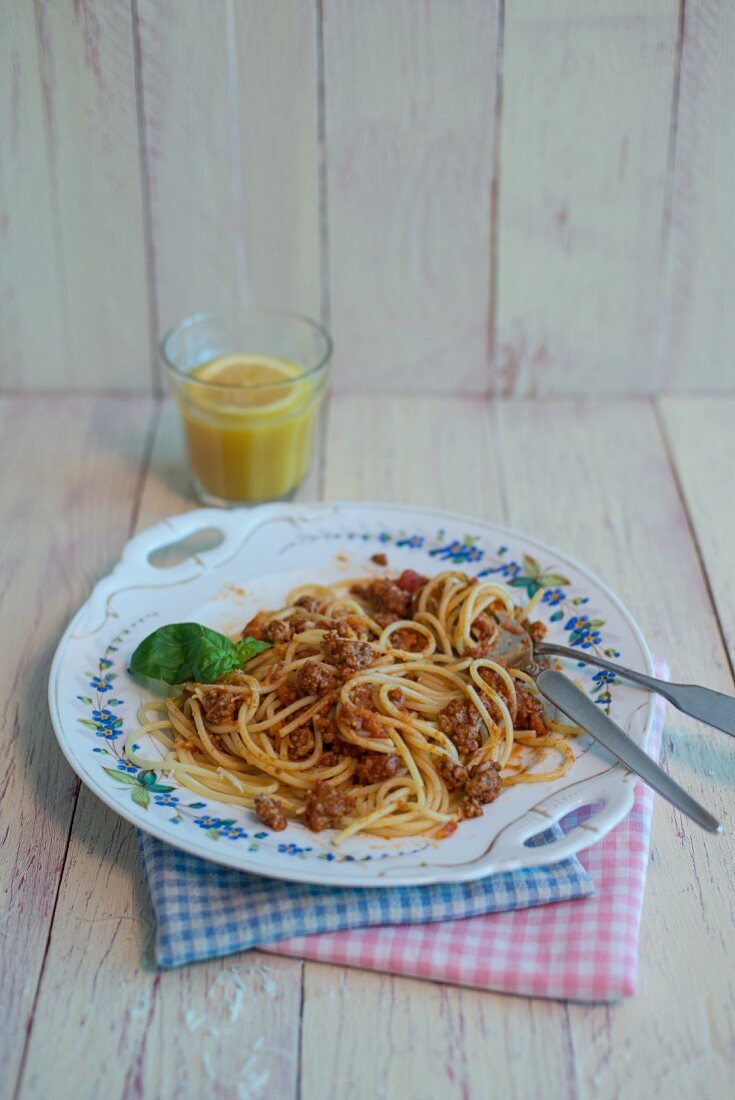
{"points": [[135, 569], [510, 849]]}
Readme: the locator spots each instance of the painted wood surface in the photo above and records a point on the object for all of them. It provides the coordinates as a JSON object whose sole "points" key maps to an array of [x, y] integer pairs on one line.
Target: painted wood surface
{"points": [[67, 526], [697, 351], [33, 347], [701, 438], [410, 106], [578, 1051], [475, 195], [105, 1022], [587, 94], [88, 77], [163, 1030], [616, 506], [229, 94]]}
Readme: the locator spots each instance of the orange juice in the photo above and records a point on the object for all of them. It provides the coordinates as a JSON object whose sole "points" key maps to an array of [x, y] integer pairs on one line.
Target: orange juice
{"points": [[250, 423]]}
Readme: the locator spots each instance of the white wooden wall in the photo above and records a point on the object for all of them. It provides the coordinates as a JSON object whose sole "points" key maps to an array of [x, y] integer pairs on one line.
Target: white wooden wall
{"points": [[507, 195]]}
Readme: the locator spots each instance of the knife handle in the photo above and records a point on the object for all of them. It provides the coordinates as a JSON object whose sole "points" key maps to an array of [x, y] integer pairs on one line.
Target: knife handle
{"points": [[565, 695]]}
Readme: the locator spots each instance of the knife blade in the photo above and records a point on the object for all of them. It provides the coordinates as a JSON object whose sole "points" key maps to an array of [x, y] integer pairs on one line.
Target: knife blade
{"points": [[565, 695]]}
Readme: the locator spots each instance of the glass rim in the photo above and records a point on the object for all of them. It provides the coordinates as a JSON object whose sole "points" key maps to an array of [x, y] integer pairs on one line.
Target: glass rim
{"points": [[198, 318]]}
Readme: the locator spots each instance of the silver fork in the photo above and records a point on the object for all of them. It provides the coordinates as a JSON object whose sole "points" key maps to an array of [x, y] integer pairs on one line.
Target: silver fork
{"points": [[702, 703], [514, 648]]}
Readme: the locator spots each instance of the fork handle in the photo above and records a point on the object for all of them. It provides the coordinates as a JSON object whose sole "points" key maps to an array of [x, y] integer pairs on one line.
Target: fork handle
{"points": [[702, 703]]}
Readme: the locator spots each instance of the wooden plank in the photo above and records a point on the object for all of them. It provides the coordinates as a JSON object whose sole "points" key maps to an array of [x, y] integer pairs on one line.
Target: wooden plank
{"points": [[698, 322], [594, 479], [230, 1024], [701, 440], [410, 102], [583, 153], [87, 65], [31, 293], [395, 1036], [67, 522], [230, 106]]}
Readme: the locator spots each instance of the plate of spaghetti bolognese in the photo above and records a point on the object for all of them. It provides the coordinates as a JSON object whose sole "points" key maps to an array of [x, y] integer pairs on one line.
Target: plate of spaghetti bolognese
{"points": [[327, 693]]}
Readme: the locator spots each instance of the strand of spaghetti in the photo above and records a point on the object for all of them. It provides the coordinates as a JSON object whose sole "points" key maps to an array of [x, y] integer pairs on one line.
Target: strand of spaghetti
{"points": [[362, 823], [439, 629], [414, 627], [531, 605], [413, 771]]}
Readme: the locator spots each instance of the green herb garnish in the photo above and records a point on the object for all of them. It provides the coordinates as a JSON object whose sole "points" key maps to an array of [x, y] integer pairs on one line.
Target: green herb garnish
{"points": [[190, 651]]}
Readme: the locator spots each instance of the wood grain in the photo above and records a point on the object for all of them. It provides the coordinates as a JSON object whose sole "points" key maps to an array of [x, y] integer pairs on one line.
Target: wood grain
{"points": [[230, 108], [702, 443], [67, 525], [583, 165], [614, 504], [422, 1039], [106, 1023], [409, 103], [88, 74], [33, 348], [698, 323], [231, 1025]]}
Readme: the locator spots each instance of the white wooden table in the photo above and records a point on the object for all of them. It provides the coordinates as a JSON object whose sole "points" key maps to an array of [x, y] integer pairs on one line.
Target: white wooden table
{"points": [[640, 491]]}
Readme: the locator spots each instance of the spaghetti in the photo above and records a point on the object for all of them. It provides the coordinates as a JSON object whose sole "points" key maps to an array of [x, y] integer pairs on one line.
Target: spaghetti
{"points": [[378, 708]]}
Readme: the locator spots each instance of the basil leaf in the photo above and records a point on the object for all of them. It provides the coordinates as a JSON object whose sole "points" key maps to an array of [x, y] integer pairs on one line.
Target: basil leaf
{"points": [[249, 647], [190, 651]]}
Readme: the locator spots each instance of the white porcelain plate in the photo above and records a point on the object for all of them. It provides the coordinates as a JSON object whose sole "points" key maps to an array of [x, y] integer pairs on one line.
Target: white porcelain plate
{"points": [[262, 554]]}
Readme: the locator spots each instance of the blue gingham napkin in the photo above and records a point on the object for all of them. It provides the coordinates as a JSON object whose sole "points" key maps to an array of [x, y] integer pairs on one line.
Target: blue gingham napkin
{"points": [[203, 910]]}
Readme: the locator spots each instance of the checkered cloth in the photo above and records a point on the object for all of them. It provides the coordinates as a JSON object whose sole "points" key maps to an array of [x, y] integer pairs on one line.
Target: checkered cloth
{"points": [[203, 910], [517, 932]]}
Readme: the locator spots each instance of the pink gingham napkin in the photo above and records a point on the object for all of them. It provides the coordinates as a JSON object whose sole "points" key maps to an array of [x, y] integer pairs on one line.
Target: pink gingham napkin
{"points": [[582, 950]]}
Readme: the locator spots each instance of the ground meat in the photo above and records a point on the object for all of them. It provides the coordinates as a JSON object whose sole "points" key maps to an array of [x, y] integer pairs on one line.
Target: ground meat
{"points": [[287, 693], [454, 775], [447, 830], [256, 627], [346, 748], [379, 559], [462, 723], [530, 714], [279, 631], [359, 626], [397, 698], [325, 806], [483, 784], [300, 743], [343, 628], [347, 653], [409, 640], [220, 706], [538, 630], [362, 721], [300, 626], [483, 627], [270, 813], [328, 760], [385, 618], [411, 581], [309, 603], [385, 595], [362, 696], [374, 767], [314, 678], [469, 808], [494, 680]]}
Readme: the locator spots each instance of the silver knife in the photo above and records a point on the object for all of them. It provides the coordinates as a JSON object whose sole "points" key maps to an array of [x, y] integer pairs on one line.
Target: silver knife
{"points": [[560, 691]]}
